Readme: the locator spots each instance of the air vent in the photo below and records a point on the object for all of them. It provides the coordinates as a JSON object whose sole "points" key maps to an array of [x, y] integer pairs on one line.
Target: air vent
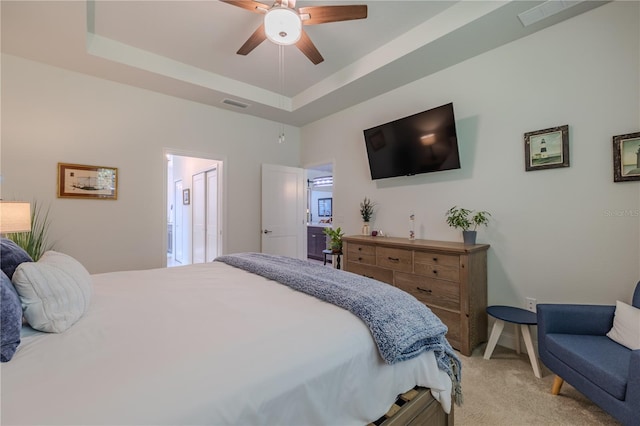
{"points": [[544, 10], [235, 103]]}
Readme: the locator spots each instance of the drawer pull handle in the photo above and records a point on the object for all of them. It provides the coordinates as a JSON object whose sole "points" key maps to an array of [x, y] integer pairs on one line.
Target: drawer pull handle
{"points": [[435, 259], [359, 259], [359, 248], [435, 272], [424, 290], [393, 259]]}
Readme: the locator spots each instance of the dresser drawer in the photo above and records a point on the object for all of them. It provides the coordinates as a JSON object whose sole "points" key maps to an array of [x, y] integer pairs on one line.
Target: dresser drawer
{"points": [[436, 271], [452, 321], [384, 275], [396, 259], [431, 258], [361, 249], [445, 294], [367, 259]]}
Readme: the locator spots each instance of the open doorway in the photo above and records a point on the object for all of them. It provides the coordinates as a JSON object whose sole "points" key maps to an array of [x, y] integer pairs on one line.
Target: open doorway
{"points": [[320, 208], [194, 209]]}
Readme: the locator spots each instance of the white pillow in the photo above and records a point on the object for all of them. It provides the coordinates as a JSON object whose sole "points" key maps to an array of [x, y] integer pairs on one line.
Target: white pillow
{"points": [[626, 326], [55, 291]]}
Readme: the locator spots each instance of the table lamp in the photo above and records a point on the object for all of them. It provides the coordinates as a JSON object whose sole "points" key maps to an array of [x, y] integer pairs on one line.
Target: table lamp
{"points": [[15, 216]]}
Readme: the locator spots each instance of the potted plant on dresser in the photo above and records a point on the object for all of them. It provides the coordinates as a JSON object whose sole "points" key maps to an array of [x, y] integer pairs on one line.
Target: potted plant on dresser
{"points": [[366, 211], [458, 217]]}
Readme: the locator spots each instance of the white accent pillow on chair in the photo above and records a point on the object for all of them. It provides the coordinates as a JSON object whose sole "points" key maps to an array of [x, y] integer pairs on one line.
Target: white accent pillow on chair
{"points": [[626, 326], [55, 291]]}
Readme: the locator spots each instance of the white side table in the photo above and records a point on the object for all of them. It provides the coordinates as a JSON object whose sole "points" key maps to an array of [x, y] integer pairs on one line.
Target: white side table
{"points": [[522, 319]]}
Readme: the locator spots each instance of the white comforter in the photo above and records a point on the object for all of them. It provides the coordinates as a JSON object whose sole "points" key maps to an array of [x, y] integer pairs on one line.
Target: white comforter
{"points": [[207, 344]]}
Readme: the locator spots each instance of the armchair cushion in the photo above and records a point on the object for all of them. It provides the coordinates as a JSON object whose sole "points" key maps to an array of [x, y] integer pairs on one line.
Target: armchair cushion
{"points": [[575, 319], [626, 326], [592, 357]]}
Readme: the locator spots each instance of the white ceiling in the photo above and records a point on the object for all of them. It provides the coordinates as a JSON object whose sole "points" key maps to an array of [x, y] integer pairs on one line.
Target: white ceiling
{"points": [[187, 48]]}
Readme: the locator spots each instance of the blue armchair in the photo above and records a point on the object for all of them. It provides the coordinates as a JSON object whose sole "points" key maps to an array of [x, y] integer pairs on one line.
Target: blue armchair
{"points": [[572, 343]]}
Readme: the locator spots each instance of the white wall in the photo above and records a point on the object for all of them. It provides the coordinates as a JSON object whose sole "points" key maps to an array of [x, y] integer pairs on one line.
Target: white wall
{"points": [[50, 115], [555, 234]]}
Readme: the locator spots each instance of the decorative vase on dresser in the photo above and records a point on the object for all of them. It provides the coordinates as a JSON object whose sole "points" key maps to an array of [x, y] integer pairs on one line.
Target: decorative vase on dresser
{"points": [[449, 277]]}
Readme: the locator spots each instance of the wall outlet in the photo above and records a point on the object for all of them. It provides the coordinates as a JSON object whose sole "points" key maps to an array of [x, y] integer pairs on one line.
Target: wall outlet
{"points": [[530, 304]]}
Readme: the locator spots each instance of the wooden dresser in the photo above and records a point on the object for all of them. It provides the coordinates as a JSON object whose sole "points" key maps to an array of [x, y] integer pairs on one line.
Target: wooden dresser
{"points": [[449, 277]]}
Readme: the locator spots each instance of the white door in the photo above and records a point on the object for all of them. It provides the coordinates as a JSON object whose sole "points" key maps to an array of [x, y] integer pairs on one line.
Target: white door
{"points": [[283, 211], [211, 250], [177, 202], [198, 226]]}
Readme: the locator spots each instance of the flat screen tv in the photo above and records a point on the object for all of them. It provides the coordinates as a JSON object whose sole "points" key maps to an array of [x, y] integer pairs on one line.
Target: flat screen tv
{"points": [[420, 143]]}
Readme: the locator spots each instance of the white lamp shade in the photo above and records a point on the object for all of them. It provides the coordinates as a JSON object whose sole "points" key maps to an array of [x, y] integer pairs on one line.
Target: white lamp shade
{"points": [[15, 217], [282, 26]]}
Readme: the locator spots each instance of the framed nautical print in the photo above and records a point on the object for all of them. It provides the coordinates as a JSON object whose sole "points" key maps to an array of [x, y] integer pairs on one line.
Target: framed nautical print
{"points": [[80, 181], [547, 149], [626, 157]]}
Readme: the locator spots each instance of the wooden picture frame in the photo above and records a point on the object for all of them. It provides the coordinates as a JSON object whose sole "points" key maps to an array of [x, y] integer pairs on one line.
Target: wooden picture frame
{"points": [[82, 181], [186, 196], [626, 157], [547, 148]]}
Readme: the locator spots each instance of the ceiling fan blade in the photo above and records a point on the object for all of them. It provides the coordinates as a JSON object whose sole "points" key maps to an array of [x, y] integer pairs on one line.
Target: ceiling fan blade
{"points": [[253, 41], [307, 47], [253, 6], [323, 14]]}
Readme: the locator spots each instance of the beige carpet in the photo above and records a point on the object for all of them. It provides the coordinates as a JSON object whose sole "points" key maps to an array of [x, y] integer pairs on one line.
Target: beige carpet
{"points": [[504, 391]]}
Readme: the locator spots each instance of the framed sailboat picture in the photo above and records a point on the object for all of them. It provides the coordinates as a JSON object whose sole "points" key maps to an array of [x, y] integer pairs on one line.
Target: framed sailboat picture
{"points": [[80, 181]]}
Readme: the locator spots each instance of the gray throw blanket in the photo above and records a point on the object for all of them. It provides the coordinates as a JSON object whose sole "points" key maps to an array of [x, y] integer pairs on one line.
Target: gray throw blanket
{"points": [[402, 327]]}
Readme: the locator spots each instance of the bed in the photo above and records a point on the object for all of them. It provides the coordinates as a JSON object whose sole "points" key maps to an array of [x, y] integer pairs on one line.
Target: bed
{"points": [[214, 344]]}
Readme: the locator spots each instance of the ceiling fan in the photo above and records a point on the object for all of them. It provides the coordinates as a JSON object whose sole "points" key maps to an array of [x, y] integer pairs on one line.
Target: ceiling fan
{"points": [[283, 23]]}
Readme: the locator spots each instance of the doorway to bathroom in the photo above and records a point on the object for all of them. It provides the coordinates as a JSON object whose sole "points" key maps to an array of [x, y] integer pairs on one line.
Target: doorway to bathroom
{"points": [[320, 208]]}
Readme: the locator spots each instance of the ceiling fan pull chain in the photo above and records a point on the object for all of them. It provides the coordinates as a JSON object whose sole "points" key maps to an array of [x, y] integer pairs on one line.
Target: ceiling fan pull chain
{"points": [[281, 87]]}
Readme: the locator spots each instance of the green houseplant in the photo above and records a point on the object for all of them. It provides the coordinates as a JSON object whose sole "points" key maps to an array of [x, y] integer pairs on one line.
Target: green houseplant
{"points": [[366, 211], [34, 242], [335, 238], [464, 219]]}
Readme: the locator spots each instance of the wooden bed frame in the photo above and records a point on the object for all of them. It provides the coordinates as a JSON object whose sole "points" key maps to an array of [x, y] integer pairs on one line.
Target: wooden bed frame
{"points": [[416, 407]]}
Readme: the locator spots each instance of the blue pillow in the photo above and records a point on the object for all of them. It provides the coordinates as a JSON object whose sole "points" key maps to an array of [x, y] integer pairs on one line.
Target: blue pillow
{"points": [[10, 319], [11, 255]]}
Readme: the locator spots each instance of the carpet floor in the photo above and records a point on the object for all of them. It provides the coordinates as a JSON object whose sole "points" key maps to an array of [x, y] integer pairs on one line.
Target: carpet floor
{"points": [[504, 391]]}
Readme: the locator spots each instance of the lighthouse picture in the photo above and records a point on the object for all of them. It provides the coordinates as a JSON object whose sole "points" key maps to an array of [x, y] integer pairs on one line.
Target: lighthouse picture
{"points": [[630, 151], [546, 149], [626, 157]]}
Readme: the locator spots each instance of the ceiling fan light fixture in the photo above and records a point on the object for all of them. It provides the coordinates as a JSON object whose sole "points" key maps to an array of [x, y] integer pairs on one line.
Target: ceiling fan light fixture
{"points": [[282, 26]]}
